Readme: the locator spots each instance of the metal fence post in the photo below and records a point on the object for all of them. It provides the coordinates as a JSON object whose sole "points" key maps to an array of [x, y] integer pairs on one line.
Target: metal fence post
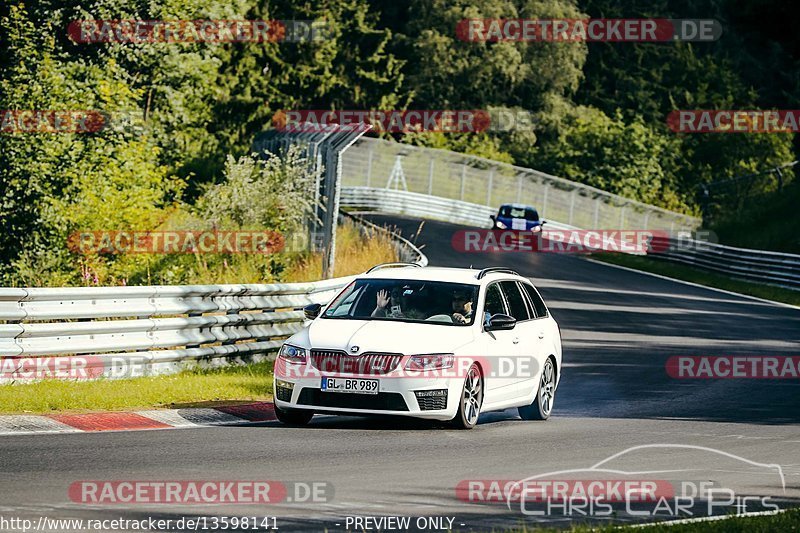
{"points": [[430, 177], [544, 201], [571, 205], [463, 176], [597, 213], [335, 147], [369, 167], [489, 187]]}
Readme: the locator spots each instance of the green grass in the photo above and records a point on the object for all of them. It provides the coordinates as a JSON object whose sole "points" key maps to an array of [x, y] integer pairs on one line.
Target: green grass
{"points": [[710, 279], [767, 222], [228, 384], [785, 521]]}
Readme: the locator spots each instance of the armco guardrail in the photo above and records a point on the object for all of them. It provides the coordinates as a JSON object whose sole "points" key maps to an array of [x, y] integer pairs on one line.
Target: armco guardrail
{"points": [[413, 204], [760, 266], [377, 163], [133, 331]]}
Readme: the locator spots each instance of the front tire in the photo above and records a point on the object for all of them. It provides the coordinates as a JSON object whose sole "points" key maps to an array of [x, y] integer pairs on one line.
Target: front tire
{"points": [[542, 404], [294, 417], [471, 400]]}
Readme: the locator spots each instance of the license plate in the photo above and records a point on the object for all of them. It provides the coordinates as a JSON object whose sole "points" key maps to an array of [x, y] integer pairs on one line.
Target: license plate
{"points": [[518, 223], [362, 386]]}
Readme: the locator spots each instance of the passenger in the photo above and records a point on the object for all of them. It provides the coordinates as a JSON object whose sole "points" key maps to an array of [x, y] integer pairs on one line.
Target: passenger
{"points": [[388, 304], [394, 304]]}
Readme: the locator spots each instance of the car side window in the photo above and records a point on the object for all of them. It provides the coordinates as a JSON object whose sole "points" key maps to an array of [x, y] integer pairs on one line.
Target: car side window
{"points": [[494, 301], [516, 302], [538, 304]]}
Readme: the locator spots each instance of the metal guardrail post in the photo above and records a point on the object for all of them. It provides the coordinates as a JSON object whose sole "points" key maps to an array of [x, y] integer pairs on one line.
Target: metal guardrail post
{"points": [[341, 141], [323, 147]]}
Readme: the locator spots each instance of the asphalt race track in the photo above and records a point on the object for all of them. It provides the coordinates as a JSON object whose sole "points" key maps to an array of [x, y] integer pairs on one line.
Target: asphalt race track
{"points": [[619, 328]]}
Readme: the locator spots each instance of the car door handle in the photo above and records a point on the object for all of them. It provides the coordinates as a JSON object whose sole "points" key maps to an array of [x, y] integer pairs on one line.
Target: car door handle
{"points": [[516, 340]]}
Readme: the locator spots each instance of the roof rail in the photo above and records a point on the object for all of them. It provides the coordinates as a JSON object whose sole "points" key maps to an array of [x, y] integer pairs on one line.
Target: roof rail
{"points": [[393, 265], [489, 270]]}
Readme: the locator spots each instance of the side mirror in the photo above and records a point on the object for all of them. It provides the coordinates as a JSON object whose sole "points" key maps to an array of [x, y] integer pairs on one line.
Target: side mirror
{"points": [[500, 321], [312, 311], [543, 223], [492, 217]]}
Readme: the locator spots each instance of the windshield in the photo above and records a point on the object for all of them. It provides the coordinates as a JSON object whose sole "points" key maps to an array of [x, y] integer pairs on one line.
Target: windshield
{"points": [[401, 300], [519, 212]]}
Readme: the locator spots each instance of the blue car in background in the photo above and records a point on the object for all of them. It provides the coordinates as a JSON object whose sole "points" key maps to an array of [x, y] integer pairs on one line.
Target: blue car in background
{"points": [[517, 217]]}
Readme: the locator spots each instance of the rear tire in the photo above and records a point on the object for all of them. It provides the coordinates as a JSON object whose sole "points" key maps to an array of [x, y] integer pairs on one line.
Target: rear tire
{"points": [[542, 405], [471, 400], [294, 417]]}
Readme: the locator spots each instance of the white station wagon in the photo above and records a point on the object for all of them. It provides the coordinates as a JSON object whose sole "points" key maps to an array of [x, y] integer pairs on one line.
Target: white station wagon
{"points": [[434, 343]]}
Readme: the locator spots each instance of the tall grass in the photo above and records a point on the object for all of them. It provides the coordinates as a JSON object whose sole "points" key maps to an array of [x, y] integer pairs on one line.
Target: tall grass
{"points": [[355, 253]]}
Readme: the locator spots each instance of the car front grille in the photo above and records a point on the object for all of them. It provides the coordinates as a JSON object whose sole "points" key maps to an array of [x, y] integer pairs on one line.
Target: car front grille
{"points": [[383, 401], [340, 362]]}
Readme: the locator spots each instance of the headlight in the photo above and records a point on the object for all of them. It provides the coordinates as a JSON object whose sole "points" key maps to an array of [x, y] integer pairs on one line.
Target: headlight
{"points": [[432, 361], [500, 225], [293, 354]]}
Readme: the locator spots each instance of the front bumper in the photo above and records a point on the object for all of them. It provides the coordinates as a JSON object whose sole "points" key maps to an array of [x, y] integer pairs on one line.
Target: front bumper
{"points": [[397, 395]]}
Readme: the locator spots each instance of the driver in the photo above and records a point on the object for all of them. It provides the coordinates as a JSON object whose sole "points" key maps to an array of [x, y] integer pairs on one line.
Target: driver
{"points": [[462, 307]]}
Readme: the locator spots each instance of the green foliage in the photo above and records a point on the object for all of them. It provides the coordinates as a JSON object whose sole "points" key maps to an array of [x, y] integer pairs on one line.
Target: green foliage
{"points": [[55, 184], [183, 163], [750, 67], [767, 220], [481, 145], [273, 193], [610, 154], [452, 74]]}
